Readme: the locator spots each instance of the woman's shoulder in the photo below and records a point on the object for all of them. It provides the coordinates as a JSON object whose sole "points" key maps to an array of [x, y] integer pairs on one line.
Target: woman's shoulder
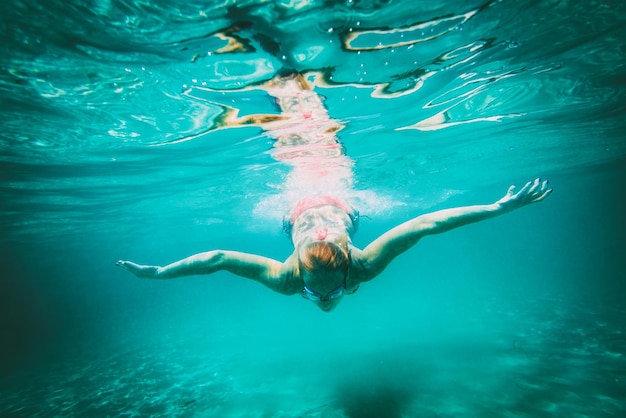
{"points": [[359, 271], [291, 269]]}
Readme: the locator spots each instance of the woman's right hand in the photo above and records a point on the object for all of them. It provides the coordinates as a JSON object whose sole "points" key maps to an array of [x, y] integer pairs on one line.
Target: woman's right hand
{"points": [[149, 272]]}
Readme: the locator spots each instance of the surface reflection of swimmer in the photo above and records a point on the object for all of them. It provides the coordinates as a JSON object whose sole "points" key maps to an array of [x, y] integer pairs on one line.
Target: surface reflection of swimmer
{"points": [[304, 134], [324, 265]]}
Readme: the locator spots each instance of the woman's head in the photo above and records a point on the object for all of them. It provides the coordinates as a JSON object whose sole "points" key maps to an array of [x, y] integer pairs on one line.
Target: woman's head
{"points": [[324, 256], [324, 268]]}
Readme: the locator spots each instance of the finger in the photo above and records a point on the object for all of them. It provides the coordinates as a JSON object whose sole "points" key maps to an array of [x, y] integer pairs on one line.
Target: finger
{"points": [[543, 192], [534, 187], [542, 187], [511, 190], [543, 195], [525, 189]]}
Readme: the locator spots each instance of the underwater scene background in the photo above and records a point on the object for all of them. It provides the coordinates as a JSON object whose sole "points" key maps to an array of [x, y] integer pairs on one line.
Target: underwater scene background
{"points": [[114, 146]]}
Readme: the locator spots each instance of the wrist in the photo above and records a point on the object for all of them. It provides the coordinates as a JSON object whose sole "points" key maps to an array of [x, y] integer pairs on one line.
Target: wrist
{"points": [[497, 207]]}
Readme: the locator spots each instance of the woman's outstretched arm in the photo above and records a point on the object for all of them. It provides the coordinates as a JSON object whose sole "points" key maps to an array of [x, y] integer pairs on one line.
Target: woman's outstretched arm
{"points": [[271, 273], [377, 255]]}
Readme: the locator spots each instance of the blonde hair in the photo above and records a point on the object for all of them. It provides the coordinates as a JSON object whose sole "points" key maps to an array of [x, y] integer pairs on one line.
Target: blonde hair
{"points": [[324, 255]]}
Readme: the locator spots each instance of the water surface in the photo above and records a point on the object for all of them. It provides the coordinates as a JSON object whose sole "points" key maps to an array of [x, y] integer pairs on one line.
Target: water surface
{"points": [[111, 147]]}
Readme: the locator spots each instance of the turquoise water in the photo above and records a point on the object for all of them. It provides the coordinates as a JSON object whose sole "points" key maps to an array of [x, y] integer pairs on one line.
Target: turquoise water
{"points": [[111, 148]]}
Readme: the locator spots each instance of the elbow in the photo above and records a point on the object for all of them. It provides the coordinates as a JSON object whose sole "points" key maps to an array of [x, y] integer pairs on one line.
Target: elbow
{"points": [[164, 273], [426, 225], [160, 273], [219, 259], [211, 262], [203, 263]]}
